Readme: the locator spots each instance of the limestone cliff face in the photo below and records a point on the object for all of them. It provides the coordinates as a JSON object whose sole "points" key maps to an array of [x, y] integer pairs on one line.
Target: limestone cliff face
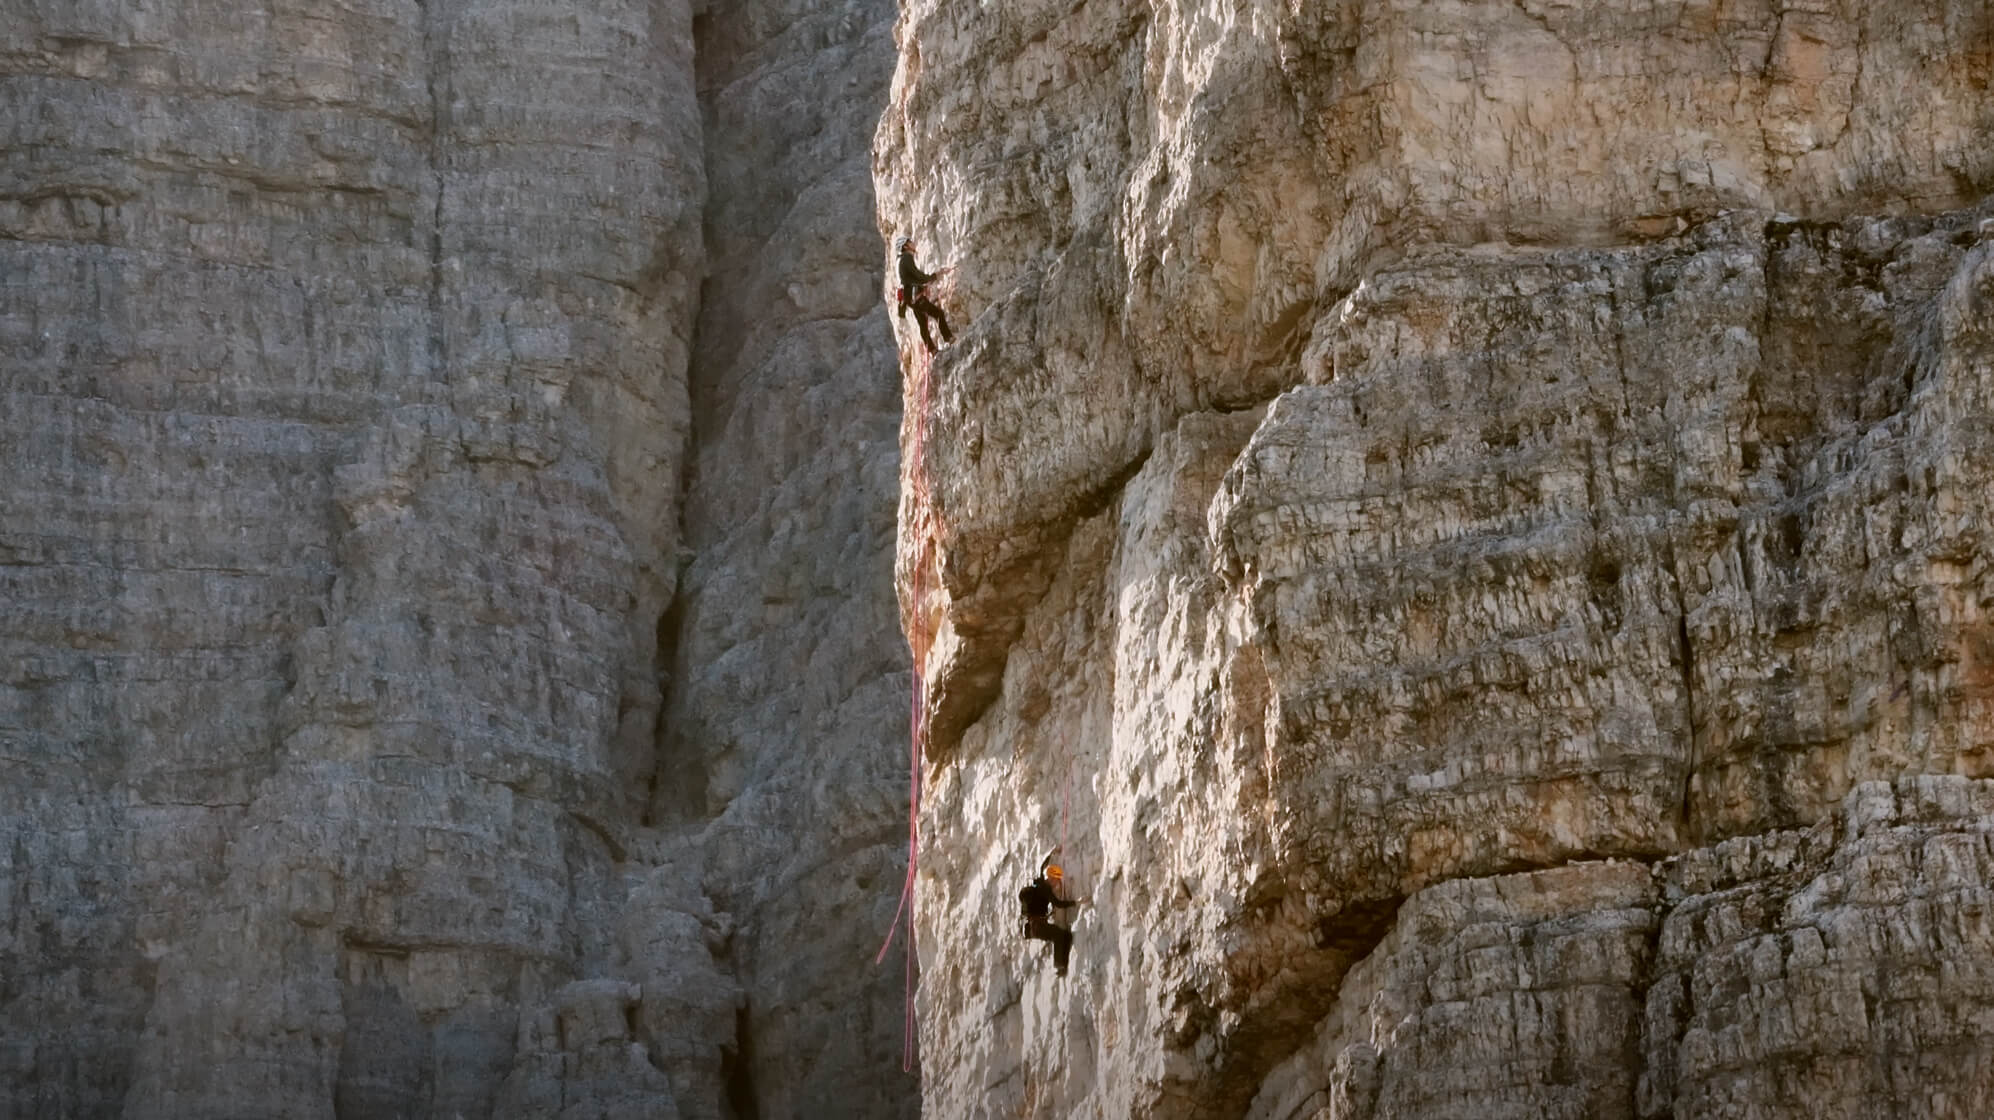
{"points": [[1470, 522], [344, 391], [785, 737], [363, 707]]}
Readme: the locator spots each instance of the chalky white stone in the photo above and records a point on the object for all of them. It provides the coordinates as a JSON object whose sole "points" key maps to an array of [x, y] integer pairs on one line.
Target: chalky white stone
{"points": [[1410, 471]]}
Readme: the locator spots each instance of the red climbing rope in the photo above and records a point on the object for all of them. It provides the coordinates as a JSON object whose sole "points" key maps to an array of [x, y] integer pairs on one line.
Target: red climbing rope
{"points": [[913, 819], [923, 528], [1075, 870], [920, 638], [1065, 791]]}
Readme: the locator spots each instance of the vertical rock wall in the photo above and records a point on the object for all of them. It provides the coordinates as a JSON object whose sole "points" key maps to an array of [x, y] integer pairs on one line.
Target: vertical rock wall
{"points": [[344, 400], [344, 414], [1466, 519], [784, 752], [1416, 477]]}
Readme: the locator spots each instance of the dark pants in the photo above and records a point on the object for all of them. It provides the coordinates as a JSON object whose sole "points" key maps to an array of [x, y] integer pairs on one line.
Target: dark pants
{"points": [[1042, 929], [924, 308]]}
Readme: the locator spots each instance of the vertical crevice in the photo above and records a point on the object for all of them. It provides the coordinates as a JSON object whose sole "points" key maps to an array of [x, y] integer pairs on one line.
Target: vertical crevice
{"points": [[737, 1069], [1672, 407], [676, 791], [772, 391], [699, 392], [436, 55], [1686, 658], [671, 625], [1664, 1020]]}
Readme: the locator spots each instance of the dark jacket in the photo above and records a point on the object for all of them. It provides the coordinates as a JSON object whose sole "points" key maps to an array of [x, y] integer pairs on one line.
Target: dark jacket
{"points": [[911, 276], [1038, 900]]}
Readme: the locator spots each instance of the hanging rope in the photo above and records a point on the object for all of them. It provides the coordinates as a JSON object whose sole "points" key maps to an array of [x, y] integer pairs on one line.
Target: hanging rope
{"points": [[924, 618], [1076, 872], [1066, 790], [920, 638]]}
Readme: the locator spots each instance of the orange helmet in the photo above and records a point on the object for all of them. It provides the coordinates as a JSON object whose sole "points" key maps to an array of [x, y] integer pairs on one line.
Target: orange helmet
{"points": [[1052, 871]]}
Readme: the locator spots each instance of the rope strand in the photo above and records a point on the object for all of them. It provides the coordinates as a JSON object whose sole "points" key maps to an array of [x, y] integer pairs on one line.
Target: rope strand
{"points": [[920, 638], [1066, 791]]}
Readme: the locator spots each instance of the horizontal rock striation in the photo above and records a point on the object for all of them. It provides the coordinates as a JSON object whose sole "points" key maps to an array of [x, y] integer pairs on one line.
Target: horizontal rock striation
{"points": [[342, 418], [1832, 971], [447, 660]]}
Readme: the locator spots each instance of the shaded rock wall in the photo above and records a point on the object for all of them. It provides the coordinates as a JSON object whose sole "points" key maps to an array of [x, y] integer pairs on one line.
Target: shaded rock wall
{"points": [[784, 743], [353, 760], [1410, 472], [344, 403]]}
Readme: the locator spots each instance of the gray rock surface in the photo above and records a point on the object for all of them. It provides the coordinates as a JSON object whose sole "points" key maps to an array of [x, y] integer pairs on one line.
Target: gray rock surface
{"points": [[345, 407], [1842, 971], [785, 740], [1510, 996], [344, 404], [1833, 971]]}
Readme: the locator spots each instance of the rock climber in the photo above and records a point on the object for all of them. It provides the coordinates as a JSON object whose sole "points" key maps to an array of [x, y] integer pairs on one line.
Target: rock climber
{"points": [[914, 293], [1036, 903]]}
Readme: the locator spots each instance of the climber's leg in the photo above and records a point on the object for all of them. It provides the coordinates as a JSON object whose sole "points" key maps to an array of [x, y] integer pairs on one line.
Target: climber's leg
{"points": [[921, 317]]}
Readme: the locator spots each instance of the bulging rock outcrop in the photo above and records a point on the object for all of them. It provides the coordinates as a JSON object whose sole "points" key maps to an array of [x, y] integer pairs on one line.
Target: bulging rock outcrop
{"points": [[1418, 482]]}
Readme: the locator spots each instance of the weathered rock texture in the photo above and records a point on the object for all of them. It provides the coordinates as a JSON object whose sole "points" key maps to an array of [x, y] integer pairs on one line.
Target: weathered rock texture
{"points": [[1837, 971], [344, 419], [785, 736], [1417, 481], [344, 402]]}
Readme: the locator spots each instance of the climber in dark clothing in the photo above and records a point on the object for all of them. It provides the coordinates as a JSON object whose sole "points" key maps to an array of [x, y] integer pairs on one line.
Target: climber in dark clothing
{"points": [[914, 293], [1036, 904]]}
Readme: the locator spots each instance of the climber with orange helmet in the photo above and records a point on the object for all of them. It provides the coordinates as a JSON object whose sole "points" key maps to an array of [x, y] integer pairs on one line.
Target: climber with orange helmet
{"points": [[913, 292], [1036, 903]]}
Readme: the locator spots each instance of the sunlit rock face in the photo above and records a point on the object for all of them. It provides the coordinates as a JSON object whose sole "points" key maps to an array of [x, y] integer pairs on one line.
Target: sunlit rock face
{"points": [[1434, 506]]}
